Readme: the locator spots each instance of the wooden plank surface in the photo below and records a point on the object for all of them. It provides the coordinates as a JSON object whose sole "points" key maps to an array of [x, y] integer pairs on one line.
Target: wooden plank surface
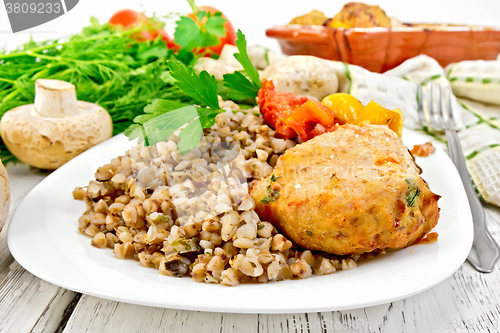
{"points": [[27, 304], [468, 301]]}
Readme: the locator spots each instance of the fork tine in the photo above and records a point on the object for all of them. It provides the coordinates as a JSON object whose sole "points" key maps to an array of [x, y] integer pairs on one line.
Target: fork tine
{"points": [[421, 112], [451, 118], [440, 112], [432, 101]]}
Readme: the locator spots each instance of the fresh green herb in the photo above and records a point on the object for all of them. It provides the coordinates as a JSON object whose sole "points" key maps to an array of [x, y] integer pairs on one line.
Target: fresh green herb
{"points": [[413, 193], [161, 219], [309, 233], [272, 195], [268, 198], [241, 87], [333, 175], [110, 67], [161, 127], [202, 87], [260, 227], [156, 108], [107, 66], [253, 264], [190, 136], [244, 60], [195, 34], [163, 118]]}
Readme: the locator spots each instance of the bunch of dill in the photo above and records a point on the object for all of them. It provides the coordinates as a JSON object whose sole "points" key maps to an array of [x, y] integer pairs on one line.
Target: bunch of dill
{"points": [[107, 66]]}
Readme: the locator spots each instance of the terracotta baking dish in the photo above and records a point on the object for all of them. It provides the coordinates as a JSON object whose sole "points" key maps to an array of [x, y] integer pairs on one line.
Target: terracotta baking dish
{"points": [[380, 49]]}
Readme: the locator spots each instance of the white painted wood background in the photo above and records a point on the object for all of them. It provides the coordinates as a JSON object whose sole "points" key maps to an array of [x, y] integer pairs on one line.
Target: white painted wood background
{"points": [[468, 301]]}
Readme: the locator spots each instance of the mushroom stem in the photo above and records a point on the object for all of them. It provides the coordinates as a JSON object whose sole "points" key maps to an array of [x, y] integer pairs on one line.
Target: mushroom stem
{"points": [[55, 98]]}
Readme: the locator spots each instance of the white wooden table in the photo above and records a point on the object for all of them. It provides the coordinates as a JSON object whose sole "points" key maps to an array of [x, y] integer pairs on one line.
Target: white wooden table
{"points": [[468, 301]]}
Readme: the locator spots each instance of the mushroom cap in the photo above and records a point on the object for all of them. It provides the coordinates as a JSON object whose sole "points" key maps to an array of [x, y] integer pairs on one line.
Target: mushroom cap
{"points": [[304, 76], [47, 142], [4, 195]]}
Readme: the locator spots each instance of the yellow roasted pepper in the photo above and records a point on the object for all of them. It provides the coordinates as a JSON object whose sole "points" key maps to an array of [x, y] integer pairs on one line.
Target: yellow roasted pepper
{"points": [[348, 109]]}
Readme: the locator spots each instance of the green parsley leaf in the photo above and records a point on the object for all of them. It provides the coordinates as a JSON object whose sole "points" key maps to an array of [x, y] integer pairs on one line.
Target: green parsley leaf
{"points": [[309, 233], [272, 195], [160, 106], [187, 33], [154, 53], [166, 77], [161, 127], [207, 116], [162, 117], [190, 136], [267, 199], [239, 86], [194, 8], [209, 40], [202, 87], [413, 194], [156, 108], [244, 60], [203, 31], [131, 129], [215, 24]]}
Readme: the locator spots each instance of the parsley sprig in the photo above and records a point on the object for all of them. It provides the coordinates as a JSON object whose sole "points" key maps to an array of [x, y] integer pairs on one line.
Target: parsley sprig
{"points": [[163, 117], [272, 195], [413, 193], [196, 33], [239, 86]]}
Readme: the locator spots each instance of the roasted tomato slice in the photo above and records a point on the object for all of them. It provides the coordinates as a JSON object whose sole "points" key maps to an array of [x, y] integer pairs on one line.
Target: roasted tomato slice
{"points": [[276, 106], [291, 115]]}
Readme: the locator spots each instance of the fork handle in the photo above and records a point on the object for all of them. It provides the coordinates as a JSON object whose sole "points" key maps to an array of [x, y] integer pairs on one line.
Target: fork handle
{"points": [[485, 251]]}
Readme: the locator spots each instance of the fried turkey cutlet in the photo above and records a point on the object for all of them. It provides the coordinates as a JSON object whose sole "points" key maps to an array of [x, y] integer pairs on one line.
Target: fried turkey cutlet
{"points": [[349, 191]]}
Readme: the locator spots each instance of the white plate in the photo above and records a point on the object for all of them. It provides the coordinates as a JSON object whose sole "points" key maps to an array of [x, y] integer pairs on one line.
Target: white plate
{"points": [[44, 239]]}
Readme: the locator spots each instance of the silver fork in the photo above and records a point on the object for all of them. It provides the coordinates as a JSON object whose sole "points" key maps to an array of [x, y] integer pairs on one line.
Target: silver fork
{"points": [[485, 251]]}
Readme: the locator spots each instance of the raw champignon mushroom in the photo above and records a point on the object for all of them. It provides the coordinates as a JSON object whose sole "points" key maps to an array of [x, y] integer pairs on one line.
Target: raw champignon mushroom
{"points": [[56, 128], [4, 195], [304, 76], [227, 63]]}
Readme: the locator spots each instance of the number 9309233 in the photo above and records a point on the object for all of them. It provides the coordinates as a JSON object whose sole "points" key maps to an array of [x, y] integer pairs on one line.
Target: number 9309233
{"points": [[33, 7]]}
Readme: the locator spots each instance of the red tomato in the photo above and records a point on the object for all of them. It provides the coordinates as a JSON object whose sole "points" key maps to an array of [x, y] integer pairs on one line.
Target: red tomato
{"points": [[291, 115], [128, 18], [229, 38]]}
